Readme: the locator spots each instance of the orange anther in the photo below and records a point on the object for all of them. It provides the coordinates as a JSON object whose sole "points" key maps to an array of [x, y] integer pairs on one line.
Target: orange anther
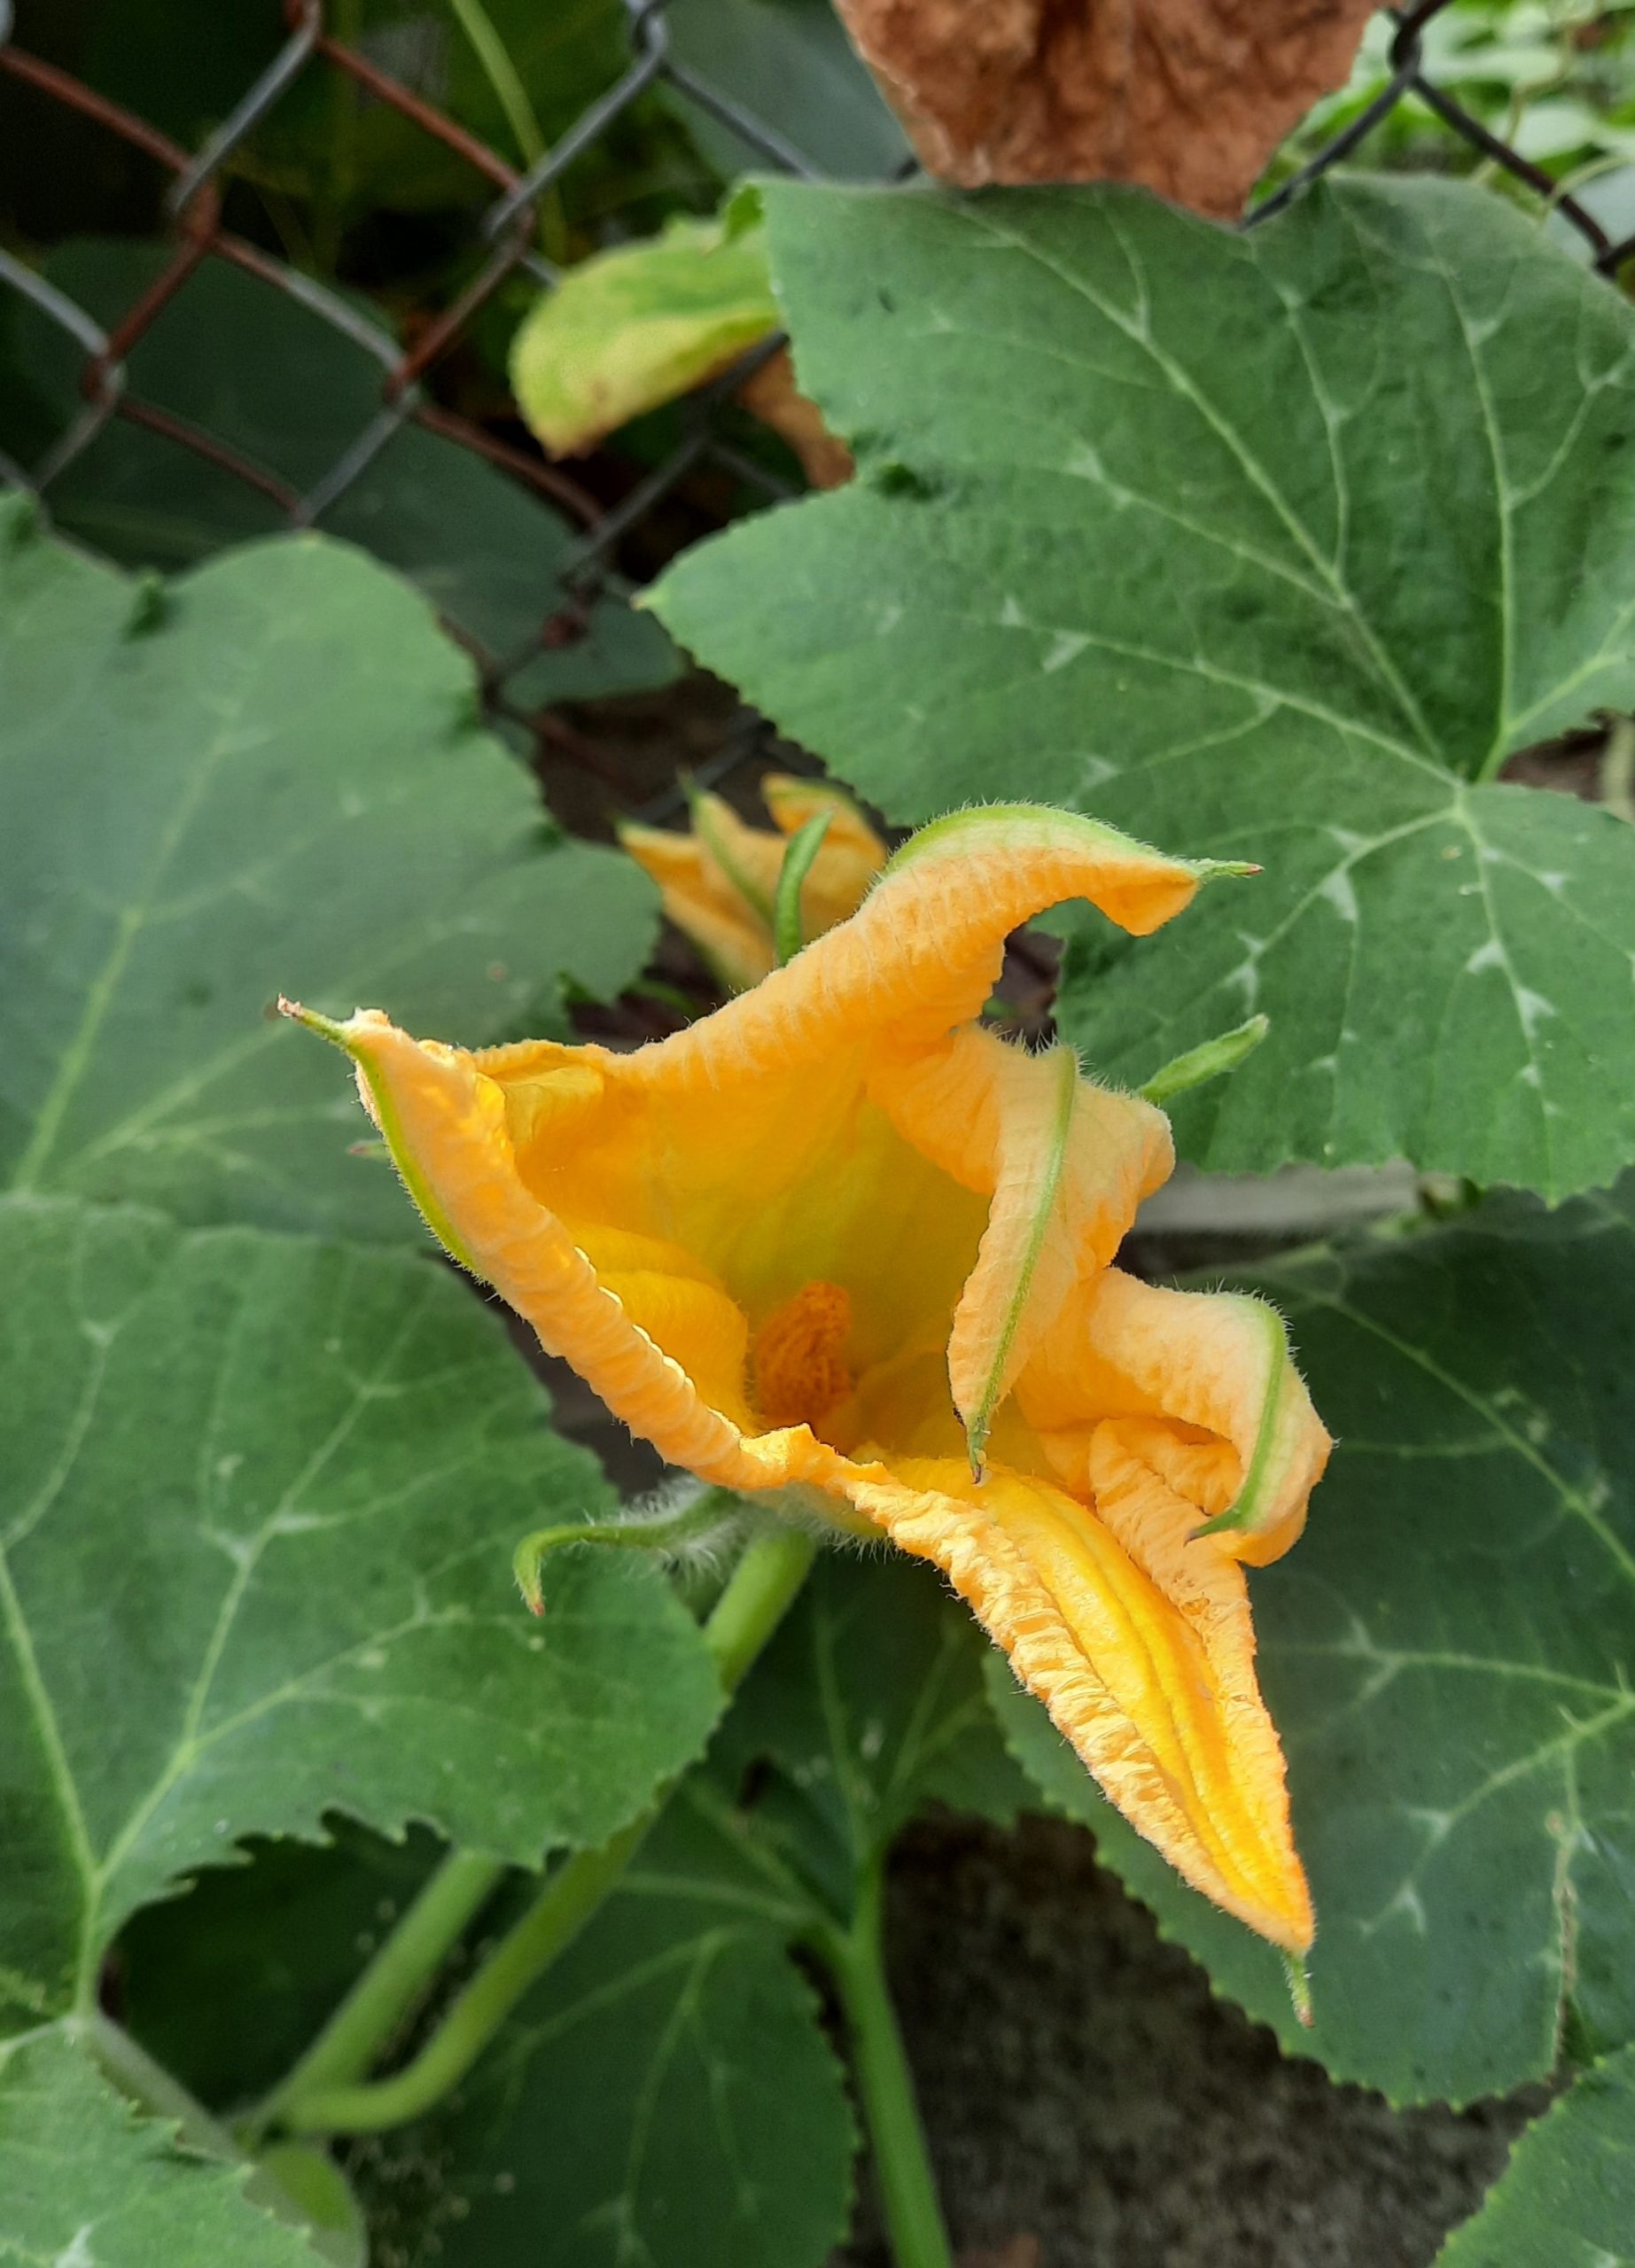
{"points": [[800, 1368]]}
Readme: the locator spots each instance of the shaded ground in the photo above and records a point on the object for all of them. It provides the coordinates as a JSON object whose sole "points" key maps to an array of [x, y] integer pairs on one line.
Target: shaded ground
{"points": [[1084, 2090]]}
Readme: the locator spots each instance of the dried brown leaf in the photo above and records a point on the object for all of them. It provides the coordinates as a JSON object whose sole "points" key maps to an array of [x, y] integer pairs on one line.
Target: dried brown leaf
{"points": [[1190, 97], [771, 394]]}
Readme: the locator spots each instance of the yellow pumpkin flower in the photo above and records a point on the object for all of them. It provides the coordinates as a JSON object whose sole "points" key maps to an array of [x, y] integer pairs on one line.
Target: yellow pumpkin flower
{"points": [[840, 1244], [719, 881]]}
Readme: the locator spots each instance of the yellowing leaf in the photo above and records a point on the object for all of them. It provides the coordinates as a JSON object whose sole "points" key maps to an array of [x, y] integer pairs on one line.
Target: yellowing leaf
{"points": [[630, 330]]}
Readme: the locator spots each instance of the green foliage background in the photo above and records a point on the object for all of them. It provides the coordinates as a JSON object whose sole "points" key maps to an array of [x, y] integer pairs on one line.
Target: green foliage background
{"points": [[1278, 546]]}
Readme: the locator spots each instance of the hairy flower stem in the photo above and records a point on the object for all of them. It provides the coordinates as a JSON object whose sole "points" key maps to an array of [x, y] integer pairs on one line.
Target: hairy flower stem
{"points": [[318, 2096], [707, 1516], [908, 2188]]}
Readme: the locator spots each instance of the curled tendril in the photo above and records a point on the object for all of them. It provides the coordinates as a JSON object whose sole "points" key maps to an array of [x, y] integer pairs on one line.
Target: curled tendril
{"points": [[707, 1517]]}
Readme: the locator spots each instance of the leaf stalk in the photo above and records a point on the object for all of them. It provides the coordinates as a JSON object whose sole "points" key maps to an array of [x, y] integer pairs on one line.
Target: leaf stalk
{"points": [[907, 2186], [758, 1594]]}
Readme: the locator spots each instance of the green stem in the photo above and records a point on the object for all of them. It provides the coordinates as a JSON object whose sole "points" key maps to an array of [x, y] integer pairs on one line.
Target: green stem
{"points": [[760, 1593], [340, 170], [501, 74], [804, 846], [748, 1612], [1618, 769], [513, 96], [902, 2164], [392, 1986]]}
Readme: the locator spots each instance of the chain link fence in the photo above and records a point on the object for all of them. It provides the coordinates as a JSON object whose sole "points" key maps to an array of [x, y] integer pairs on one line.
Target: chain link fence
{"points": [[504, 242]]}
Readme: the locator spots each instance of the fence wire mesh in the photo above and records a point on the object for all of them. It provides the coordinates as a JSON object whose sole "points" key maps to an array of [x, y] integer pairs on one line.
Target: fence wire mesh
{"points": [[504, 240]]}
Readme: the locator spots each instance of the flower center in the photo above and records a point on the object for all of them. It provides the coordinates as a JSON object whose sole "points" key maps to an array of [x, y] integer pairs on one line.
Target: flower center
{"points": [[800, 1370]]}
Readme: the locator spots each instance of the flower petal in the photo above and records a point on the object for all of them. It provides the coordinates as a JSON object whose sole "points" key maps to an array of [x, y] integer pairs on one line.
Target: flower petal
{"points": [[747, 858], [921, 954], [793, 801], [1138, 1642], [1218, 1360], [445, 1122], [1067, 1164], [730, 928], [848, 859], [720, 880]]}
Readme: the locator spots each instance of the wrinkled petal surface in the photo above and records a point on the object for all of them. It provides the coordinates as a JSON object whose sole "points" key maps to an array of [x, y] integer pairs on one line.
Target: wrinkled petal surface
{"points": [[1244, 1441], [1138, 1642], [837, 1239]]}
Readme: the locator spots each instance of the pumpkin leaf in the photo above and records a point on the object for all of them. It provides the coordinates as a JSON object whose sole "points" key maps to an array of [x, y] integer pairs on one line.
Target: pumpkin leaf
{"points": [[1446, 1654], [1267, 546], [227, 1984], [792, 67], [257, 1500], [666, 2091], [869, 1705], [1567, 2197], [84, 2179], [261, 777], [268, 377]]}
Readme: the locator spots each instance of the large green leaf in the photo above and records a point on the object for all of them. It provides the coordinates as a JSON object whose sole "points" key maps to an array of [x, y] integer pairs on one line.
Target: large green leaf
{"points": [[1265, 547], [257, 1500], [1447, 1654], [228, 1984], [86, 2183], [1567, 2198], [264, 779], [665, 2094], [258, 371]]}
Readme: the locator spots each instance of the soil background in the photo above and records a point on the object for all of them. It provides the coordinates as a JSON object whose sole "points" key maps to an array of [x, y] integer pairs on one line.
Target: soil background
{"points": [[1092, 2105]]}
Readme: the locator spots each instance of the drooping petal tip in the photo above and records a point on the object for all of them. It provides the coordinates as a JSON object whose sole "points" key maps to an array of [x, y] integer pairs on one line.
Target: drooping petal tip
{"points": [[1299, 1987], [1140, 1647], [1055, 854], [1285, 1461], [371, 1040]]}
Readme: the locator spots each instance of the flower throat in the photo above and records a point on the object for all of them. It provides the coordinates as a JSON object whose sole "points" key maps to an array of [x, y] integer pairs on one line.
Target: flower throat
{"points": [[799, 1367]]}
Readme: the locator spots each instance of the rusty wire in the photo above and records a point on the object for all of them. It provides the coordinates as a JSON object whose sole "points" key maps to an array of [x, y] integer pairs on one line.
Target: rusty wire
{"points": [[505, 233]]}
